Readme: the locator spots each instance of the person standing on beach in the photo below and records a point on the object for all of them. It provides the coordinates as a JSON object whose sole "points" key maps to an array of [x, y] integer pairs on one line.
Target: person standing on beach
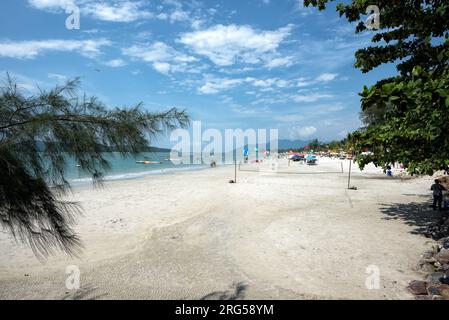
{"points": [[437, 189]]}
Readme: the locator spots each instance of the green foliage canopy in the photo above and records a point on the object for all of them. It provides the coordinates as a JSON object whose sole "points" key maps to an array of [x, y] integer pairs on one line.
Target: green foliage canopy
{"points": [[405, 117], [414, 130]]}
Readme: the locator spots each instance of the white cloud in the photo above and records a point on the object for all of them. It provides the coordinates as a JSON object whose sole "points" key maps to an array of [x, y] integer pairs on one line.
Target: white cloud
{"points": [[179, 15], [196, 23], [112, 10], [32, 49], [323, 109], [178, 12], [270, 82], [212, 11], [163, 58], [253, 112], [115, 63], [215, 85], [279, 62], [123, 11], [58, 77], [302, 132], [303, 82], [51, 4], [265, 101], [162, 67], [326, 77], [117, 10], [310, 97], [322, 78], [162, 16], [289, 118], [227, 45]]}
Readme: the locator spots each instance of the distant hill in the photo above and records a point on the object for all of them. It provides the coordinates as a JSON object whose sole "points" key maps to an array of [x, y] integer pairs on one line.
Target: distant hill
{"points": [[285, 144], [156, 149], [40, 145]]}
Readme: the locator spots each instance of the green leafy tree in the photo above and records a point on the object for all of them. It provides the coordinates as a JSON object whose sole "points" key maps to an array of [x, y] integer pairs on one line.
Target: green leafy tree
{"points": [[39, 134], [414, 128], [314, 145], [405, 116]]}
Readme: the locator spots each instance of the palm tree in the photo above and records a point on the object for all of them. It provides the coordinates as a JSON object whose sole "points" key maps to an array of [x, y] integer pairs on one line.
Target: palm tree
{"points": [[39, 134]]}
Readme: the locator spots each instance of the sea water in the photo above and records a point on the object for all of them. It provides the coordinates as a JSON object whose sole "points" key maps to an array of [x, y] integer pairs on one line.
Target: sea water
{"points": [[122, 168]]}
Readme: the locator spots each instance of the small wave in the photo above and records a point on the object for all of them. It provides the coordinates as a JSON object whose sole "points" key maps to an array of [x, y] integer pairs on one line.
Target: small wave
{"points": [[136, 175]]}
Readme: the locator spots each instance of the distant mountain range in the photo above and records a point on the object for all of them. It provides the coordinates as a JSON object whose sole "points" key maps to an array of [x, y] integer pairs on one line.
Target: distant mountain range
{"points": [[41, 147], [285, 144]]}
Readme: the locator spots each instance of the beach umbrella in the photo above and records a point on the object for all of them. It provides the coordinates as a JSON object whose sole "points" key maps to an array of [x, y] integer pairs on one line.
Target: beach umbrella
{"points": [[310, 157]]}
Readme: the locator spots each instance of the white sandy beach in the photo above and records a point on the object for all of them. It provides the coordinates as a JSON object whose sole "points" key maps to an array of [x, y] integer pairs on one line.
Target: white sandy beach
{"points": [[192, 235]]}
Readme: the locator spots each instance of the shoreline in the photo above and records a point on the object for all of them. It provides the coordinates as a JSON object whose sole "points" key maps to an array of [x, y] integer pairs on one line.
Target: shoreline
{"points": [[76, 183]]}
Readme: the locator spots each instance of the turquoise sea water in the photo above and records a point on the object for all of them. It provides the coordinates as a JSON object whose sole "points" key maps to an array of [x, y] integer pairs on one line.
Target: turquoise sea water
{"points": [[128, 168]]}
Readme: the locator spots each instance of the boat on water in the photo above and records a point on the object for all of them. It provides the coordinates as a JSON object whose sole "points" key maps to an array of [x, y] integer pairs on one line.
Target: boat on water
{"points": [[147, 161]]}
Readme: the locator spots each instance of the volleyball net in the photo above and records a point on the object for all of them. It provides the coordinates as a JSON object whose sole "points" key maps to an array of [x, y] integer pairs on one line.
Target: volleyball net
{"points": [[285, 166]]}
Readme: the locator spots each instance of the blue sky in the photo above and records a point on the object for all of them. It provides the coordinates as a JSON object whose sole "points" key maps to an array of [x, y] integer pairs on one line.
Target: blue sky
{"points": [[231, 64]]}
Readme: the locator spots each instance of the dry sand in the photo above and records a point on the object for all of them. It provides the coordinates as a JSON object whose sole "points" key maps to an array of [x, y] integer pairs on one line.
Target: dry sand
{"points": [[192, 235]]}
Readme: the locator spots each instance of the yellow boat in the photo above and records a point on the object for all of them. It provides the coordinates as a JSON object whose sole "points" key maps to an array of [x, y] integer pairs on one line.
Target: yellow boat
{"points": [[148, 162]]}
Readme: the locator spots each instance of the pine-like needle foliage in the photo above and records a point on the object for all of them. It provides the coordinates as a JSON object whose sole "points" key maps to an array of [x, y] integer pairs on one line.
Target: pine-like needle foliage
{"points": [[39, 134]]}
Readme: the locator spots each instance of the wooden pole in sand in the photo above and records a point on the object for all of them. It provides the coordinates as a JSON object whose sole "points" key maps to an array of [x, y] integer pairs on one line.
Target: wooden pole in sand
{"points": [[235, 170], [349, 176]]}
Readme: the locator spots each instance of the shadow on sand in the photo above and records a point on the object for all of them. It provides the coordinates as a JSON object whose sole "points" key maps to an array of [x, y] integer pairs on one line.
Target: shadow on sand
{"points": [[418, 215], [88, 292], [237, 292]]}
